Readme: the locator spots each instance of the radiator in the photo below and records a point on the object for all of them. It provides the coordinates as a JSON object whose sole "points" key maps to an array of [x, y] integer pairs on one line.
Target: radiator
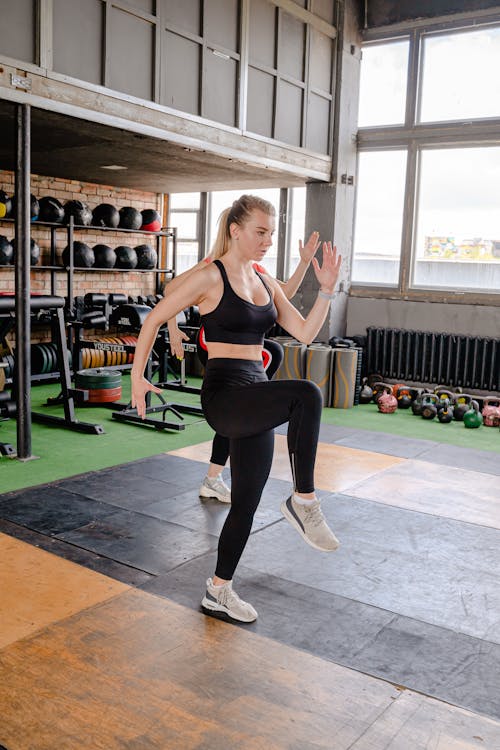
{"points": [[438, 358]]}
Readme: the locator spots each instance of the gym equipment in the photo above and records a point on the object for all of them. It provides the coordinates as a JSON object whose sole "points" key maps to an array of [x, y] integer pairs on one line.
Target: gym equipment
{"points": [[51, 210], [53, 306], [472, 417], [387, 403], [151, 220], [491, 412], [146, 256], [318, 364], [126, 257], [462, 402], [292, 367], [105, 256], [366, 393], [445, 411], [83, 255], [6, 251], [429, 406], [34, 207], [34, 251], [379, 388], [81, 213], [105, 215], [130, 218], [5, 205], [344, 372], [403, 396]]}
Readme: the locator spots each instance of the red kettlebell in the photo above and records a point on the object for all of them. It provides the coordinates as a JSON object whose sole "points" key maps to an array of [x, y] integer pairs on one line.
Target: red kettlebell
{"points": [[387, 403]]}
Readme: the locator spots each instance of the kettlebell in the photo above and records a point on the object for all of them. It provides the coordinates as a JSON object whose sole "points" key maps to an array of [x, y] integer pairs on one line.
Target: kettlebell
{"points": [[462, 404], [472, 417], [429, 405], [445, 411], [403, 396], [366, 393]]}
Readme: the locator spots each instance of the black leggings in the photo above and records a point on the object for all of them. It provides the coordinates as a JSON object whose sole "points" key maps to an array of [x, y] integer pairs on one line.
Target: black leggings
{"points": [[241, 404]]}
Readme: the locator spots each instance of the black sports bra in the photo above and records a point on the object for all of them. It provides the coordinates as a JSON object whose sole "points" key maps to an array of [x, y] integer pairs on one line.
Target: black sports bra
{"points": [[235, 320]]}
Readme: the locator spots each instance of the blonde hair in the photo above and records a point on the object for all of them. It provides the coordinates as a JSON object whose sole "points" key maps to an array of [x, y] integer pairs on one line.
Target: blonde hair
{"points": [[238, 213]]}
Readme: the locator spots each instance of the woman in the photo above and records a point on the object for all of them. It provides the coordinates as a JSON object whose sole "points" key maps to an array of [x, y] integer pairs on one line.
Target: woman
{"points": [[237, 306], [213, 485]]}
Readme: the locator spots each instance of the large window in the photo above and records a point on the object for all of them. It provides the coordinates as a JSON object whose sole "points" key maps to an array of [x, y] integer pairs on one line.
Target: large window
{"points": [[428, 185], [184, 215]]}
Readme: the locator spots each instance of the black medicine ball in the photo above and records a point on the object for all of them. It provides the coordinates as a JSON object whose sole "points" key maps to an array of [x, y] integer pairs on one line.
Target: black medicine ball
{"points": [[6, 206], [105, 256], [130, 218], [83, 255], [105, 215], [126, 257], [6, 251], [34, 251], [151, 220], [34, 207], [51, 210], [81, 213], [146, 256]]}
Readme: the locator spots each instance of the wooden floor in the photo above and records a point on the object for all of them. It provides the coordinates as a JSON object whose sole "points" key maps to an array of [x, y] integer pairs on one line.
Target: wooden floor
{"points": [[87, 662]]}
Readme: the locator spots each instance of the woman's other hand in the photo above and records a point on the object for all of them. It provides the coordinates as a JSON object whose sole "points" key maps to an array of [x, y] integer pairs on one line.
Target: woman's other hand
{"points": [[176, 337], [328, 273], [308, 251]]}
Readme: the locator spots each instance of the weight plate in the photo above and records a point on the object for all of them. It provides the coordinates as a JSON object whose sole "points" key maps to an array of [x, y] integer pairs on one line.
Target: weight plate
{"points": [[104, 395], [37, 359], [97, 378]]}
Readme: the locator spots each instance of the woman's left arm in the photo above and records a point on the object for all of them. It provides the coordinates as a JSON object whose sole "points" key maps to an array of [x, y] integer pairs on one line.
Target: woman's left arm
{"points": [[306, 329]]}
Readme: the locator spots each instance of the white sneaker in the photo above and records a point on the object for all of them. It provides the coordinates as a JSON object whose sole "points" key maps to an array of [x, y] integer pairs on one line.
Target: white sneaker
{"points": [[216, 488], [310, 523], [223, 600]]}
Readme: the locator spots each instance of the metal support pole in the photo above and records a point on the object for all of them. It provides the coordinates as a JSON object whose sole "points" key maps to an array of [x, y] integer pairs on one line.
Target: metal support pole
{"points": [[22, 281]]}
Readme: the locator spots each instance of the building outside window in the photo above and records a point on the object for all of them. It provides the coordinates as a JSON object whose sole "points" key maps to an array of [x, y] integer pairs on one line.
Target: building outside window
{"points": [[428, 185], [184, 214]]}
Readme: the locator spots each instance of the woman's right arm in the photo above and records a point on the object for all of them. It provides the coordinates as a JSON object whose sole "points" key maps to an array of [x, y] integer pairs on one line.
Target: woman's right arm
{"points": [[191, 291]]}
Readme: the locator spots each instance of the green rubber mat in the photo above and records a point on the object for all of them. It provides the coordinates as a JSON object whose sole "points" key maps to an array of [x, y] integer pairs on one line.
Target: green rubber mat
{"points": [[62, 453]]}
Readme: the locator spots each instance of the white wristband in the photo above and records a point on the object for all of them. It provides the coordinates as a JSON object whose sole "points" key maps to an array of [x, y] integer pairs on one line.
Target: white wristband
{"points": [[325, 295]]}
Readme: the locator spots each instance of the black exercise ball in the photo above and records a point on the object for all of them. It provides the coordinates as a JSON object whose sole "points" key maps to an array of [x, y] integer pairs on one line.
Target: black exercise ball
{"points": [[81, 213], [146, 256], [6, 251], [83, 255], [6, 206], [34, 207], [34, 251], [105, 215], [130, 218], [105, 256], [126, 257], [51, 210], [151, 220]]}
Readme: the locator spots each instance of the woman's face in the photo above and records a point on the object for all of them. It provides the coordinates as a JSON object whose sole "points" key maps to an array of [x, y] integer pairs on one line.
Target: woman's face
{"points": [[255, 236]]}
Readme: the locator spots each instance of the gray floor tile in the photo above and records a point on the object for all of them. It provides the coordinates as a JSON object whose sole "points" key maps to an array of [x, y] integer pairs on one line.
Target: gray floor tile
{"points": [[140, 541], [392, 445], [121, 488], [466, 458]]}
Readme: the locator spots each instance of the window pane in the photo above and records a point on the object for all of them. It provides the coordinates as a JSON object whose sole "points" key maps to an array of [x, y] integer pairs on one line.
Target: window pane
{"points": [[297, 226], [187, 256], [186, 223], [382, 94], [185, 200], [379, 217], [458, 224], [222, 199], [459, 79]]}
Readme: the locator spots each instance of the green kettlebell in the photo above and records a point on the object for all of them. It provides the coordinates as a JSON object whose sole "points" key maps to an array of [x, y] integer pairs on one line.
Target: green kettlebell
{"points": [[473, 418]]}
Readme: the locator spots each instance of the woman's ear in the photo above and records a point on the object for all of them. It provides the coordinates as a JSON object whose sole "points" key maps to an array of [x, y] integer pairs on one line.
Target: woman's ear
{"points": [[234, 230]]}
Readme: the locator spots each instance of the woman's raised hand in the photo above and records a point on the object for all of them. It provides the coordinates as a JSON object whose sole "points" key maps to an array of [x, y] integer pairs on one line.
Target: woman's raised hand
{"points": [[308, 251], [328, 273]]}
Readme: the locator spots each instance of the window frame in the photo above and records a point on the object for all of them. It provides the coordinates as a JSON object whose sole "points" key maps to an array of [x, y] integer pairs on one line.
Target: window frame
{"points": [[415, 137]]}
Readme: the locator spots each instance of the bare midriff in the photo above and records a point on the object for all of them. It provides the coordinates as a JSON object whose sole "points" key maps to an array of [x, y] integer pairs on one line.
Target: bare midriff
{"points": [[217, 349]]}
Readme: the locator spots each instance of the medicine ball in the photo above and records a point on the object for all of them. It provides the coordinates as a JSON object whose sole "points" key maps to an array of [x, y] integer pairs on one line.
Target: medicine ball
{"points": [[130, 218], [83, 255], [6, 251], [105, 256], [105, 215], [6, 206], [126, 257], [34, 207], [51, 210], [34, 251], [146, 256], [151, 220], [81, 213]]}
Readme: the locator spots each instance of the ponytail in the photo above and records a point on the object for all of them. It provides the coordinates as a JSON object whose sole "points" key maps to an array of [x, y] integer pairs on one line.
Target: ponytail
{"points": [[238, 213]]}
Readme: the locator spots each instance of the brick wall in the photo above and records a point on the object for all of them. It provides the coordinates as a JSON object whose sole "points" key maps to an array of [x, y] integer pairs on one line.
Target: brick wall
{"points": [[129, 282]]}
